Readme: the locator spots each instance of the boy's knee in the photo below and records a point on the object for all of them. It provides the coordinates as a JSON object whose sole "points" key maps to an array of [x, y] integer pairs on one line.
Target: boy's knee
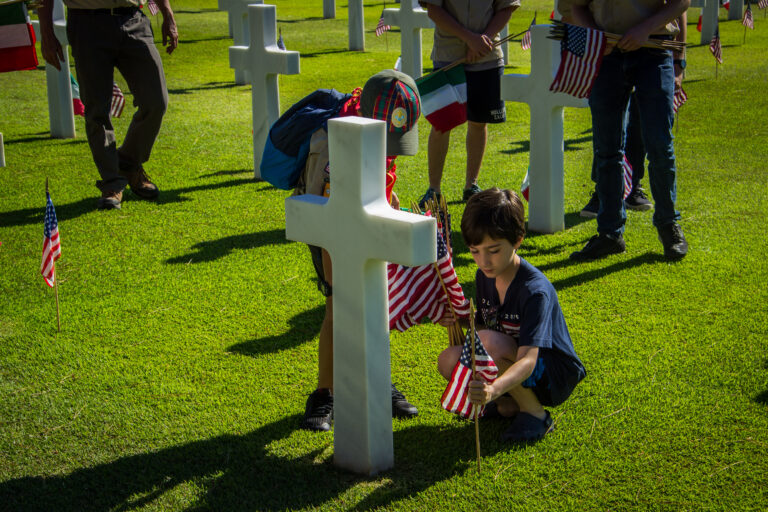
{"points": [[447, 360]]}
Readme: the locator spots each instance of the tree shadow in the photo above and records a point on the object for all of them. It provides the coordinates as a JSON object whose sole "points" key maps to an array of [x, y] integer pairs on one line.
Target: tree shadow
{"points": [[303, 328], [215, 249], [66, 211], [244, 472]]}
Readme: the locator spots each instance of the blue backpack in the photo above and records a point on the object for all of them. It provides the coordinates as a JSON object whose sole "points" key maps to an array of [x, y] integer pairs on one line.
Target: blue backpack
{"points": [[287, 146]]}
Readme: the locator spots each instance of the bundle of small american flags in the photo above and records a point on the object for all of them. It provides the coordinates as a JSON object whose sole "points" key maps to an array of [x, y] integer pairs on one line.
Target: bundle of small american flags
{"points": [[581, 52]]}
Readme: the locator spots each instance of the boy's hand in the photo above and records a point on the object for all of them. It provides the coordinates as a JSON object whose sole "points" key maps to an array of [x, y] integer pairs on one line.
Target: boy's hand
{"points": [[447, 319], [479, 45], [480, 392]]}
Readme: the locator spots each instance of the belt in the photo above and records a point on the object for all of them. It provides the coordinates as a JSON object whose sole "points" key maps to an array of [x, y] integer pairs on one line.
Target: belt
{"points": [[115, 11]]}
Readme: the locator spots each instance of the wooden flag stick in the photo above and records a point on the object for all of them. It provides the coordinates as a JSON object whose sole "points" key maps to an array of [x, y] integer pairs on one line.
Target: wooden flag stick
{"points": [[476, 409]]}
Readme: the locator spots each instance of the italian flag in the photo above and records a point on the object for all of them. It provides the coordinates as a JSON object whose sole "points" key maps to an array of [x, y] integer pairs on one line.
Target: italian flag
{"points": [[444, 98], [17, 38]]}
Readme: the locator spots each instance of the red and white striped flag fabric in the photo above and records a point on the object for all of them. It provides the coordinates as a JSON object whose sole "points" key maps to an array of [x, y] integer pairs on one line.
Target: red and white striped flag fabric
{"points": [[525, 44], [444, 98], [416, 292], [715, 47], [17, 38], [581, 53], [455, 397], [627, 168], [382, 27], [679, 99], [525, 187], [763, 4], [51, 244], [118, 101], [153, 8], [748, 21]]}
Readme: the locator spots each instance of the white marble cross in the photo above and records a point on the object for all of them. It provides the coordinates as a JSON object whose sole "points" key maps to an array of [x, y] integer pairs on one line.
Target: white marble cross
{"points": [[736, 10], [61, 113], [411, 19], [263, 60], [241, 33], [356, 26], [361, 231], [710, 10], [329, 9], [546, 212], [224, 5]]}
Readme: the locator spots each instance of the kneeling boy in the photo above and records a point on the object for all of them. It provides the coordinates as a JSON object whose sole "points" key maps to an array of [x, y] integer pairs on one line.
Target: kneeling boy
{"points": [[523, 328]]}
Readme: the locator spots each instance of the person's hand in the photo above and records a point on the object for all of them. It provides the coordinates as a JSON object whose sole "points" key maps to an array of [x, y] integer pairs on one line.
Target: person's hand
{"points": [[634, 39], [395, 202], [479, 45], [609, 46], [480, 392], [678, 77], [52, 51], [170, 33]]}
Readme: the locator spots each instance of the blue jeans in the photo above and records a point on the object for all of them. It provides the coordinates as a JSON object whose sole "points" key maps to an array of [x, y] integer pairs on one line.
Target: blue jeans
{"points": [[652, 75]]}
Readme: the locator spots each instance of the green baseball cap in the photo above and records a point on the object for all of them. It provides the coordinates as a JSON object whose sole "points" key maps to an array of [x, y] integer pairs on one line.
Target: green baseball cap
{"points": [[393, 97]]}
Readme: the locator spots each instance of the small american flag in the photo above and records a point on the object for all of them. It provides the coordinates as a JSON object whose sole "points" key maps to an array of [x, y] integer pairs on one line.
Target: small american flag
{"points": [[679, 99], [763, 4], [280, 42], [152, 6], [581, 52], [627, 168], [715, 47], [382, 27], [51, 245], [526, 42], [455, 397], [118, 101], [747, 20], [416, 292]]}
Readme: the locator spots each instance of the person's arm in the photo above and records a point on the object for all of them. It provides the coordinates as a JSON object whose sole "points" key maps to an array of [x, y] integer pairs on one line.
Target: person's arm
{"points": [[169, 30], [679, 57], [478, 44], [481, 393], [49, 45], [638, 35]]}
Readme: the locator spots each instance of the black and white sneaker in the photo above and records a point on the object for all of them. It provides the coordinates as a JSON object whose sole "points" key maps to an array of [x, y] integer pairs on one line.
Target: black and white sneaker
{"points": [[600, 246], [402, 408], [637, 200], [318, 414]]}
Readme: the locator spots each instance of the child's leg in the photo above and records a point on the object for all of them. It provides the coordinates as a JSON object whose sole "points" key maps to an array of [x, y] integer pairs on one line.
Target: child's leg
{"points": [[325, 343], [437, 149], [477, 137]]}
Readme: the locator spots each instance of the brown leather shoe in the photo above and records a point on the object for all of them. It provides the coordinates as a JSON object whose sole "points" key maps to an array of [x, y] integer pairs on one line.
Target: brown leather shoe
{"points": [[142, 185], [110, 200]]}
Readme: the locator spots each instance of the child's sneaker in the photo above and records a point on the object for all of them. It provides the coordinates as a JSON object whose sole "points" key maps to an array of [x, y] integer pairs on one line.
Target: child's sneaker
{"points": [[469, 192], [318, 413], [527, 428]]}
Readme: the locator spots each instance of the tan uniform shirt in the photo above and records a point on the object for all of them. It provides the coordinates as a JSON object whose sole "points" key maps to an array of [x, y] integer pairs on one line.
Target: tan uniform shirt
{"points": [[473, 15], [618, 16]]}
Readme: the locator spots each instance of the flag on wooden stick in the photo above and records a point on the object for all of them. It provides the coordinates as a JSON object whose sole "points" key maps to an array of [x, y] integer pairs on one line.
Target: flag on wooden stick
{"points": [[51, 243], [381, 27], [455, 397], [679, 99], [17, 38], [748, 21], [444, 97], [715, 46], [525, 44], [581, 53]]}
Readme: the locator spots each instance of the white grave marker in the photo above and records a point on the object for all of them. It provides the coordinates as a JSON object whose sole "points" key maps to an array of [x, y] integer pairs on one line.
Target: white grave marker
{"points": [[263, 60], [546, 211], [361, 231], [241, 33], [224, 5], [411, 19], [505, 45], [736, 10], [61, 113], [2, 151], [356, 26], [710, 10], [329, 9]]}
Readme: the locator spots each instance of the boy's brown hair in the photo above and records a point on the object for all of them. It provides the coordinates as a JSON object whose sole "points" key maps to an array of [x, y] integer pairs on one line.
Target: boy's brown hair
{"points": [[500, 214]]}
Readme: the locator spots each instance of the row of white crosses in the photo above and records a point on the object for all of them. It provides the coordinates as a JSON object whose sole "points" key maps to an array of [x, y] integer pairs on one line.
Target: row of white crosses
{"points": [[61, 113]]}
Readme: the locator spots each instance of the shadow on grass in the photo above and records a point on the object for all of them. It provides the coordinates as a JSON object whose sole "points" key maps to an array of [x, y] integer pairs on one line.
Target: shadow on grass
{"points": [[241, 472], [33, 137], [205, 87], [216, 249], [599, 273], [524, 146], [67, 211], [303, 327], [324, 52]]}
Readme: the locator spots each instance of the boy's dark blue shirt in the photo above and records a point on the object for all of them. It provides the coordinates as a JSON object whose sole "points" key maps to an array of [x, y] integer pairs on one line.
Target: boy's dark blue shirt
{"points": [[531, 314]]}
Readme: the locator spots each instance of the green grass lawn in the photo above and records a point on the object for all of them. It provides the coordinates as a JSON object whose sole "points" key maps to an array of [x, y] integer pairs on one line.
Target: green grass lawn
{"points": [[189, 325]]}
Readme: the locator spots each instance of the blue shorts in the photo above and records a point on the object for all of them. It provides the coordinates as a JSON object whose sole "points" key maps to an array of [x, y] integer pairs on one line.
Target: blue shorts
{"points": [[551, 380]]}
